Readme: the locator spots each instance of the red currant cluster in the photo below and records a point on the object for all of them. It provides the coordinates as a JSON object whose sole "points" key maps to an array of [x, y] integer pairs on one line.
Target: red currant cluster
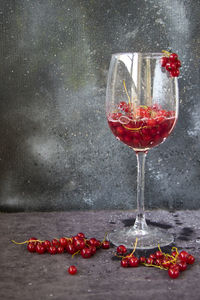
{"points": [[77, 244], [174, 263], [171, 63]]}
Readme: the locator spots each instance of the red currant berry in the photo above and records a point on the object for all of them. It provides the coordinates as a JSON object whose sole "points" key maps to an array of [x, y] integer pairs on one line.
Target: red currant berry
{"points": [[183, 256], [70, 248], [31, 247], [173, 66], [81, 235], [175, 73], [55, 243], [74, 238], [40, 249], [133, 262], [47, 244], [125, 262], [63, 242], [105, 245], [92, 241], [153, 256], [168, 66], [182, 266], [164, 60], [52, 250], [173, 57], [72, 270], [142, 260], [190, 259], [159, 254], [158, 261], [86, 252], [93, 249], [97, 244], [173, 272], [79, 244], [60, 249], [150, 261], [121, 249], [178, 63]]}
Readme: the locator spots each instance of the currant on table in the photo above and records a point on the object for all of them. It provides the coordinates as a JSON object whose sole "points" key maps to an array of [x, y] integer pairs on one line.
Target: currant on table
{"points": [[174, 263]]}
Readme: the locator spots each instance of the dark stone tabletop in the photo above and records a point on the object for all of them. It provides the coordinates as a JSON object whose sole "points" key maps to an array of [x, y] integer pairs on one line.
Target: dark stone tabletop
{"points": [[31, 276]]}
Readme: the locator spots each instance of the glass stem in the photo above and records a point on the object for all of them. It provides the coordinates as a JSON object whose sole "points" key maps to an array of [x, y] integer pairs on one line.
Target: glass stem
{"points": [[140, 222]]}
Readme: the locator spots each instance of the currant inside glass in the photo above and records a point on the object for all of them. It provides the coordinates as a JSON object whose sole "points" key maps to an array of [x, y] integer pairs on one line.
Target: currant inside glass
{"points": [[146, 128]]}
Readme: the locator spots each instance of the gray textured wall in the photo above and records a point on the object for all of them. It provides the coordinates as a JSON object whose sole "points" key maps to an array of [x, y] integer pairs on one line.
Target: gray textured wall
{"points": [[56, 150]]}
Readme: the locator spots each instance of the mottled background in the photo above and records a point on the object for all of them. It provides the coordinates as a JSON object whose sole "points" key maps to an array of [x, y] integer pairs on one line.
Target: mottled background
{"points": [[56, 150]]}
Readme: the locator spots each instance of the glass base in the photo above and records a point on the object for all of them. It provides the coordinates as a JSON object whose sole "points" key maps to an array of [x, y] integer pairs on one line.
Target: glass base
{"points": [[147, 239]]}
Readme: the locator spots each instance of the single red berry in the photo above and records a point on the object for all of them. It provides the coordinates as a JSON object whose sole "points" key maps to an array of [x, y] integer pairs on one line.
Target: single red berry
{"points": [[121, 249], [55, 243], [158, 261], [97, 244], [81, 235], [178, 63], [125, 262], [173, 272], [153, 256], [142, 260], [72, 270], [182, 266], [159, 254], [168, 66], [173, 57], [79, 244], [150, 261], [133, 262], [60, 249], [75, 238], [86, 253], [40, 249], [31, 247], [183, 256], [47, 244], [63, 242], [164, 60], [92, 241], [190, 259], [52, 250], [70, 248], [105, 245], [93, 249], [173, 66], [175, 73]]}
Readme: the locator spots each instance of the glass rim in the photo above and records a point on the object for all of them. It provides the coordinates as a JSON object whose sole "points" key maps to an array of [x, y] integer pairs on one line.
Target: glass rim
{"points": [[142, 54]]}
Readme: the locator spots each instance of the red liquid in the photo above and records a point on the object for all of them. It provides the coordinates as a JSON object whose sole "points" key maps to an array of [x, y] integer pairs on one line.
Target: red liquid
{"points": [[145, 129]]}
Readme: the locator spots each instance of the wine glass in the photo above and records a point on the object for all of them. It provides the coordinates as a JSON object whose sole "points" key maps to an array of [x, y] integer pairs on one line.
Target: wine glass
{"points": [[141, 109]]}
